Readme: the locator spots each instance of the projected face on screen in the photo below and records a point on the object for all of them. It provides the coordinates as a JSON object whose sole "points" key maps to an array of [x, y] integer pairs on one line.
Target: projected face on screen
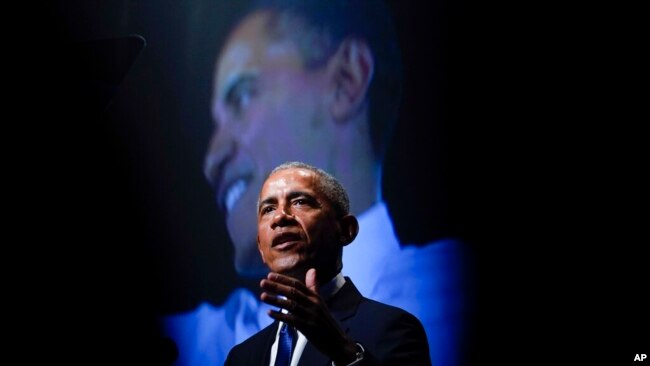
{"points": [[318, 82], [268, 108]]}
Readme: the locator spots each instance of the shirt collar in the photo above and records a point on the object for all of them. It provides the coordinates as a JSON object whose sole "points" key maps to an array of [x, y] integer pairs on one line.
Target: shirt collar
{"points": [[332, 287]]}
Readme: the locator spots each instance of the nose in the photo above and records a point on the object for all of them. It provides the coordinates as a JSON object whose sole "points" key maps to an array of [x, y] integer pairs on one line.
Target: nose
{"points": [[283, 217], [221, 149]]}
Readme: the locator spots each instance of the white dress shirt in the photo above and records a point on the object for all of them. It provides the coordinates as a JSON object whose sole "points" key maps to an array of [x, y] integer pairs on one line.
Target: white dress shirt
{"points": [[326, 291]]}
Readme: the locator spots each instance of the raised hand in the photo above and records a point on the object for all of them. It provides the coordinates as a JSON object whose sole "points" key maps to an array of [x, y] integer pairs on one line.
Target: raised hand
{"points": [[308, 313]]}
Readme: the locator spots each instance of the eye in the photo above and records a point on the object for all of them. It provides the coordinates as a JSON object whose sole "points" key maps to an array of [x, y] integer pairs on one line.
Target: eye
{"points": [[266, 209], [240, 95], [304, 202]]}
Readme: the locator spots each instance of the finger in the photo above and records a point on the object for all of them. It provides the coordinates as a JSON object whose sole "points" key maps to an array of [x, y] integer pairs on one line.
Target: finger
{"points": [[289, 281], [284, 290], [310, 280], [287, 318], [281, 302]]}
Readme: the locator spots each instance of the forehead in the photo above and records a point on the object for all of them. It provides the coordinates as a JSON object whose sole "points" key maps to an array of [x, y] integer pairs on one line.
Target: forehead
{"points": [[250, 49], [290, 179]]}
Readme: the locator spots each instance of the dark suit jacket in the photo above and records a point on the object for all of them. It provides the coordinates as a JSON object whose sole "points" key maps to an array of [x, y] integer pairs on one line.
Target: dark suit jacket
{"points": [[390, 335]]}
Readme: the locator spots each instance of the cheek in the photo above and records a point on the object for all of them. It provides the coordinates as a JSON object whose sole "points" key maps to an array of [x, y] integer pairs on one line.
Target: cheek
{"points": [[263, 237], [281, 131], [290, 102], [319, 235], [286, 123], [274, 123]]}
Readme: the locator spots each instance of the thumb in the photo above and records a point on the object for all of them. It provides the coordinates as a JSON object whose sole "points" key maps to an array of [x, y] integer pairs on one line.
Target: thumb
{"points": [[310, 280]]}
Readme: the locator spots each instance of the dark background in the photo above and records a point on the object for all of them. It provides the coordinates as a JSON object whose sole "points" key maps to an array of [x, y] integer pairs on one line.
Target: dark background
{"points": [[513, 135]]}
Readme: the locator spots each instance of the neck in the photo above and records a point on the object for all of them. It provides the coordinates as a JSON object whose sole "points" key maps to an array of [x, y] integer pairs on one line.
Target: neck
{"points": [[323, 275]]}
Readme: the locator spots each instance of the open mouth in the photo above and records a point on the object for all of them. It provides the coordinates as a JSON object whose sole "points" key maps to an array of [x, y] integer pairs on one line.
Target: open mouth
{"points": [[285, 240], [285, 246], [232, 193]]}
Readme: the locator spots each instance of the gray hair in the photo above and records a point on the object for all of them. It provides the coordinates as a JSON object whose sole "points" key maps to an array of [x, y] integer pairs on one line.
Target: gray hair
{"points": [[327, 184]]}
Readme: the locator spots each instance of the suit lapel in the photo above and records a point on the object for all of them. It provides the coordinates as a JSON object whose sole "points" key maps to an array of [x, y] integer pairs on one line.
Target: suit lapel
{"points": [[265, 357], [344, 304]]}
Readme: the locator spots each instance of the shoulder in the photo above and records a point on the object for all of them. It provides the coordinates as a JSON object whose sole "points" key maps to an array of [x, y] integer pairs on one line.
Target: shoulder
{"points": [[386, 315], [350, 305], [438, 252], [206, 334], [248, 352], [426, 273]]}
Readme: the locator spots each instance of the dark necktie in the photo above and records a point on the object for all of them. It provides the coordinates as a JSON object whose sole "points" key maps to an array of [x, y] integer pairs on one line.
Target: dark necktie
{"points": [[285, 343]]}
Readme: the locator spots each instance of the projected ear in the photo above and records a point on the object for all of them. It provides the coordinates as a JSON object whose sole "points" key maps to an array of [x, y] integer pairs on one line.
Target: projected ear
{"points": [[349, 229], [351, 69]]}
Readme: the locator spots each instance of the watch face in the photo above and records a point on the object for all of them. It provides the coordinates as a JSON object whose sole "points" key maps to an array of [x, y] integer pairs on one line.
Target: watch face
{"points": [[360, 351]]}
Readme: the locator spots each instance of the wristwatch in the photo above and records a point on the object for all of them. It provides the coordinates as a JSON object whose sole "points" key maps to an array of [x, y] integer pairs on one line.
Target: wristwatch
{"points": [[359, 355]]}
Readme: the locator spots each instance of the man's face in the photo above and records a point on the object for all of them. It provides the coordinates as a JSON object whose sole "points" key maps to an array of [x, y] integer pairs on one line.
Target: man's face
{"points": [[267, 109], [297, 228]]}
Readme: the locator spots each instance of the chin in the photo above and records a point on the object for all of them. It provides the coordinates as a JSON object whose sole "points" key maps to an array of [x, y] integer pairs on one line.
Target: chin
{"points": [[295, 270], [297, 273]]}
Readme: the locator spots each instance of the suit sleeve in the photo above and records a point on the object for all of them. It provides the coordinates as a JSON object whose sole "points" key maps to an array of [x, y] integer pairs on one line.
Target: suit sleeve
{"points": [[402, 341]]}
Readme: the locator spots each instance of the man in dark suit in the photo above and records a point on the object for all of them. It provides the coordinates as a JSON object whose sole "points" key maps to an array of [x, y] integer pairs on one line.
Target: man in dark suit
{"points": [[303, 225]]}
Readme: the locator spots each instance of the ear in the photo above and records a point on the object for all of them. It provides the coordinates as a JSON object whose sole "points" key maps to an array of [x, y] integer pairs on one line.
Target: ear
{"points": [[259, 248], [349, 229], [350, 70]]}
